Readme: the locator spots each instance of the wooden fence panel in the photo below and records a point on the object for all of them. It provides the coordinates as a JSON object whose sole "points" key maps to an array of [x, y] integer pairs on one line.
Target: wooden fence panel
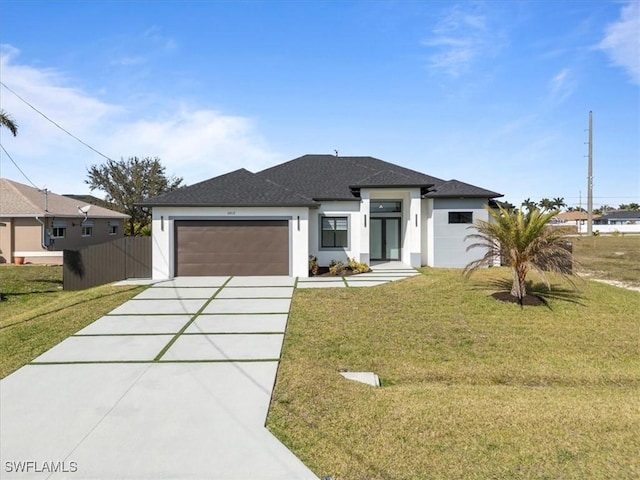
{"points": [[128, 257]]}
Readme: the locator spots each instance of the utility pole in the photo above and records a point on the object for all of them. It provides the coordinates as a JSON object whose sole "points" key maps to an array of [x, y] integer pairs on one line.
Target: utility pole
{"points": [[590, 179]]}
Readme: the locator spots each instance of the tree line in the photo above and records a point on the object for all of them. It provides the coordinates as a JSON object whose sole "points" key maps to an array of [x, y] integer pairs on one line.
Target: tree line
{"points": [[558, 203]]}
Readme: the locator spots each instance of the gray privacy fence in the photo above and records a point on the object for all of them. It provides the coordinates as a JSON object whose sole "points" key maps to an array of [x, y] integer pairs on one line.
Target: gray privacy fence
{"points": [[128, 257]]}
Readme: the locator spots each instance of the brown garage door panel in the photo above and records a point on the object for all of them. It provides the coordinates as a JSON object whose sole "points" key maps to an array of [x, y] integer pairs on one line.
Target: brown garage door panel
{"points": [[232, 247]]}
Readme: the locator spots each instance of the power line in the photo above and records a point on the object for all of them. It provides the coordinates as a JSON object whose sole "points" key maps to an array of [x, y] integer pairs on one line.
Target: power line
{"points": [[16, 165], [56, 124]]}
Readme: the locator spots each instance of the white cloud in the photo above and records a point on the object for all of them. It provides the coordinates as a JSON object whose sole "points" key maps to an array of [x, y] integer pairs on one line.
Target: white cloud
{"points": [[622, 40], [460, 38], [561, 85], [194, 143]]}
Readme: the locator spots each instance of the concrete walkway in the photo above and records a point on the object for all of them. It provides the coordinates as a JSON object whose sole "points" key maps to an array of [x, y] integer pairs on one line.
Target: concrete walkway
{"points": [[175, 383]]}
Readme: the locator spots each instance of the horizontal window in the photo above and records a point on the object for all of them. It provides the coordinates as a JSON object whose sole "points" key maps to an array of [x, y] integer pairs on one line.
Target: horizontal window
{"points": [[335, 232], [460, 217], [386, 207]]}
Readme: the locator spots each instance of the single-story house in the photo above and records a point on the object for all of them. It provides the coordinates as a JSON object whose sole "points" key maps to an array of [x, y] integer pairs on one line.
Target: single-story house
{"points": [[620, 217], [36, 225], [571, 218], [331, 207]]}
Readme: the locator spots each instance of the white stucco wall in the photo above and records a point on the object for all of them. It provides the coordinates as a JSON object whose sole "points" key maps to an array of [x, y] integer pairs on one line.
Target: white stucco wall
{"points": [[351, 210], [411, 231], [449, 244], [163, 232], [426, 243], [359, 217]]}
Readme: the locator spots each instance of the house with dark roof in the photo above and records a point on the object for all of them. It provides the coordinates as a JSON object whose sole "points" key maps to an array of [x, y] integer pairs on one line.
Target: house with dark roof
{"points": [[620, 217], [37, 225], [330, 207]]}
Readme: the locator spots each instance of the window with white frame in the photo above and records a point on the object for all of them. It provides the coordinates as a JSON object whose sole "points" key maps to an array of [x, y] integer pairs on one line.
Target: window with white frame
{"points": [[87, 229], [58, 229], [113, 228], [335, 232]]}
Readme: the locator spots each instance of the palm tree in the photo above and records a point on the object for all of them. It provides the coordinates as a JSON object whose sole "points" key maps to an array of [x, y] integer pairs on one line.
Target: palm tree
{"points": [[529, 204], [558, 203], [525, 242], [546, 204], [8, 122]]}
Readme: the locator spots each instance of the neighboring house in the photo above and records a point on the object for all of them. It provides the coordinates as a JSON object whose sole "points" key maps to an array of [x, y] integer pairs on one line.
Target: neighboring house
{"points": [[571, 218], [621, 217], [334, 208], [36, 225]]}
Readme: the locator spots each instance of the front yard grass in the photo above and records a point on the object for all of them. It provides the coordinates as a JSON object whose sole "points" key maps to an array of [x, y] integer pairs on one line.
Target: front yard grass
{"points": [[472, 388], [37, 314]]}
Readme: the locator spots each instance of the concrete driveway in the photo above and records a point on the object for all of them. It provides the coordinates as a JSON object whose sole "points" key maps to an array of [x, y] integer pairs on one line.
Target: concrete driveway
{"points": [[173, 384]]}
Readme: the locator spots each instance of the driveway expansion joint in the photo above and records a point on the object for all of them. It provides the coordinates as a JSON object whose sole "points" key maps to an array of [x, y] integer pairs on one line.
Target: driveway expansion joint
{"points": [[125, 386], [195, 316]]}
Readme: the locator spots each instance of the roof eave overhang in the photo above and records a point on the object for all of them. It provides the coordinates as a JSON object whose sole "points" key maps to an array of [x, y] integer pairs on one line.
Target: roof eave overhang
{"points": [[59, 215], [430, 195], [336, 199], [230, 205], [412, 185]]}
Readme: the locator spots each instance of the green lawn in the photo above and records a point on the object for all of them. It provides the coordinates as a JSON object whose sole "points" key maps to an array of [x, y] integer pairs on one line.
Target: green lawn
{"points": [[472, 388], [611, 257], [38, 314]]}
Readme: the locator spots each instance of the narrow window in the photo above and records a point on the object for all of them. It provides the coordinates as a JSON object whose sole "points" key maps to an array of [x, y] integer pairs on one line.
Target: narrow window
{"points": [[335, 232], [460, 217]]}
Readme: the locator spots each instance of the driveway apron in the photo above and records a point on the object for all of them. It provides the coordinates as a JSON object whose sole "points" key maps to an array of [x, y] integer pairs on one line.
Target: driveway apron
{"points": [[175, 383]]}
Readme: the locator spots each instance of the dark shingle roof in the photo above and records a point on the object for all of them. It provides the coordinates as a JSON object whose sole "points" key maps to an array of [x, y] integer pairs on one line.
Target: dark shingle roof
{"points": [[328, 177], [309, 179], [621, 215], [237, 188], [455, 188]]}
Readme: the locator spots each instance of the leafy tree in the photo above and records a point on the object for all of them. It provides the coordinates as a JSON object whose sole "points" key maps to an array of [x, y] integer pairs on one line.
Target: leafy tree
{"points": [[129, 182], [629, 206], [8, 122], [605, 208], [525, 242]]}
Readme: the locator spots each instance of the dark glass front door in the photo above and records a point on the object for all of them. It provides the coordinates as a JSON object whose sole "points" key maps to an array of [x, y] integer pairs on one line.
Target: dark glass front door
{"points": [[384, 239]]}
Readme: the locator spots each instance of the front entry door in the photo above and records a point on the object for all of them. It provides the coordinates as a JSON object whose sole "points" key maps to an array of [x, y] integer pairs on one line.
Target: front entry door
{"points": [[384, 240]]}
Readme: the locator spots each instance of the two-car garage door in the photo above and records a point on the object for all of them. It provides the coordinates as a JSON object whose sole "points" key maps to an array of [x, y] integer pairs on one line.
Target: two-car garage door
{"points": [[231, 247]]}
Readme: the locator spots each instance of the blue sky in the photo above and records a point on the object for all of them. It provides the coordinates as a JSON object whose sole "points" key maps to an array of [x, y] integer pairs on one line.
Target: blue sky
{"points": [[492, 93]]}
